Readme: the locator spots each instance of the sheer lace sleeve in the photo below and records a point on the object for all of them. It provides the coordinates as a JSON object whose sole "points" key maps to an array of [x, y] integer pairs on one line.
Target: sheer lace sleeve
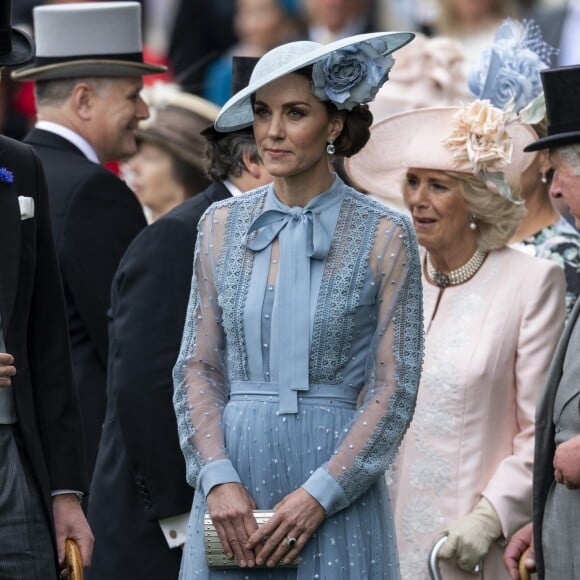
{"points": [[200, 376], [370, 442]]}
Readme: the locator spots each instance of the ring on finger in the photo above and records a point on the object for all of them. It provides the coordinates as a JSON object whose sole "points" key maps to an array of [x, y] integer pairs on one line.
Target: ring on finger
{"points": [[290, 541]]}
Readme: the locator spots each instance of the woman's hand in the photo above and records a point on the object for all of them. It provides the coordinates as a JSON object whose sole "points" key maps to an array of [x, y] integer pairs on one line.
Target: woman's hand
{"points": [[230, 507], [295, 519], [470, 538]]}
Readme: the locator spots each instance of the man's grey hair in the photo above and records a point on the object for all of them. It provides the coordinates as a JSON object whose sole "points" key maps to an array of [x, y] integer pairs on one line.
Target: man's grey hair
{"points": [[570, 154], [53, 93]]}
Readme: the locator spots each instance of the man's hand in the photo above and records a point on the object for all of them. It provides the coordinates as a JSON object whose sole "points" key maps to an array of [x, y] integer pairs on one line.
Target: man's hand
{"points": [[567, 463], [7, 370], [521, 541], [70, 522]]}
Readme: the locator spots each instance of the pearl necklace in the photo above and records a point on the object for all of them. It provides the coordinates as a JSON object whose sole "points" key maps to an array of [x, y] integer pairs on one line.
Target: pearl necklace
{"points": [[459, 275]]}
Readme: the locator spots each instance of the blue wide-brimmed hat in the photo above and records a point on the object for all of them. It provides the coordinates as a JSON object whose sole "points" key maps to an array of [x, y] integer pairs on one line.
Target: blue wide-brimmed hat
{"points": [[347, 72]]}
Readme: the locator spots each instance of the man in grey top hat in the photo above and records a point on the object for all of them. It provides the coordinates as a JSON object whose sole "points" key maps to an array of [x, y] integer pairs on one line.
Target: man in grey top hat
{"points": [[555, 546], [88, 72], [42, 462]]}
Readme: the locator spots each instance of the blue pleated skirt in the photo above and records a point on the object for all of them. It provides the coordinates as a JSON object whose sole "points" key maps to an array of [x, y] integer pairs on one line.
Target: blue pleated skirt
{"points": [[275, 454]]}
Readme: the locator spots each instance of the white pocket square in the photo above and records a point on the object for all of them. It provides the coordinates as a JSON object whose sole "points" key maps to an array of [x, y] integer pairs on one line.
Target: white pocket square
{"points": [[26, 207]]}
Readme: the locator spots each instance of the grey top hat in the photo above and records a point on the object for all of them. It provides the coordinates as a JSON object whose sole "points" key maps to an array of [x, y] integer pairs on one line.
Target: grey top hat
{"points": [[346, 72], [90, 39], [16, 47], [562, 92], [176, 124]]}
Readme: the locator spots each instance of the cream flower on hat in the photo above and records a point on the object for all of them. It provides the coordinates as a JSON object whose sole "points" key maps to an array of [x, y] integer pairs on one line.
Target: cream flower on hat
{"points": [[480, 144]]}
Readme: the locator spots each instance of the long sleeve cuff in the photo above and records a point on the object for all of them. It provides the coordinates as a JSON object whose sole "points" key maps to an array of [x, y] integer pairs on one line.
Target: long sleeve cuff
{"points": [[326, 491], [216, 473]]}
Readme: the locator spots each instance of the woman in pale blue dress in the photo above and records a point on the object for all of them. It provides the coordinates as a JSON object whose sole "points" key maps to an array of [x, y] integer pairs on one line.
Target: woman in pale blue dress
{"points": [[302, 348]]}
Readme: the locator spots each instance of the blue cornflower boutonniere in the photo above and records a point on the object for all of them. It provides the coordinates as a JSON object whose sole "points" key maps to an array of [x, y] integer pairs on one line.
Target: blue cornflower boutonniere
{"points": [[6, 176]]}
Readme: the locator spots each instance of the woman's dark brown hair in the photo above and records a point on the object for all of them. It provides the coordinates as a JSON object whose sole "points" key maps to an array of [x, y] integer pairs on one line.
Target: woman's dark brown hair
{"points": [[357, 123]]}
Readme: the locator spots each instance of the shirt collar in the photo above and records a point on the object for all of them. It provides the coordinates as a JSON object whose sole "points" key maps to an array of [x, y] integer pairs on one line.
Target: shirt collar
{"points": [[68, 134], [233, 189]]}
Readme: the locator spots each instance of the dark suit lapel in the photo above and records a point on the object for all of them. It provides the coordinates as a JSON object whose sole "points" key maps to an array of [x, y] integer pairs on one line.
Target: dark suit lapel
{"points": [[216, 192], [42, 138], [9, 248]]}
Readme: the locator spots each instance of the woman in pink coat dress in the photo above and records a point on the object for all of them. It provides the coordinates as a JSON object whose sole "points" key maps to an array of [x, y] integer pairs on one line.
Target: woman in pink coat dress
{"points": [[492, 319]]}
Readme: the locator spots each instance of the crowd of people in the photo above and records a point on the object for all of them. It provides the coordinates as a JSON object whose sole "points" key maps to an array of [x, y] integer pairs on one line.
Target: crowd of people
{"points": [[292, 294]]}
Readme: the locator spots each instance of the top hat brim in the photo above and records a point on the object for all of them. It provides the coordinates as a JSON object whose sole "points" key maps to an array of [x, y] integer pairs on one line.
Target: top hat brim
{"points": [[553, 141], [237, 113], [22, 50], [87, 68]]}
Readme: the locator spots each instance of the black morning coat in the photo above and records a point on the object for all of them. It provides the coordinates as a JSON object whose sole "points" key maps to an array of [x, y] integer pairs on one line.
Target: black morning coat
{"points": [[95, 216], [139, 477], [33, 316]]}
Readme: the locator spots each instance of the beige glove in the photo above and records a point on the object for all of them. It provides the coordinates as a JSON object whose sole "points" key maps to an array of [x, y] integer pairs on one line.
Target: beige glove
{"points": [[469, 538]]}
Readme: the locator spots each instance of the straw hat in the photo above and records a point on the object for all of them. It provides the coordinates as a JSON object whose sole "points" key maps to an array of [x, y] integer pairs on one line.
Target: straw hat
{"points": [[440, 138], [90, 39], [176, 122], [362, 61], [16, 47]]}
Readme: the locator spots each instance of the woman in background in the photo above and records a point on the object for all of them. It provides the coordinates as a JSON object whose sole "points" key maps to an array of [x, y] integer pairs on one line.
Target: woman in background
{"points": [[169, 165], [492, 319], [508, 75]]}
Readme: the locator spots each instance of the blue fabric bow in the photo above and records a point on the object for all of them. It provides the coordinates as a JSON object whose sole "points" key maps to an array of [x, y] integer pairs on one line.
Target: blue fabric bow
{"points": [[302, 236], [305, 222]]}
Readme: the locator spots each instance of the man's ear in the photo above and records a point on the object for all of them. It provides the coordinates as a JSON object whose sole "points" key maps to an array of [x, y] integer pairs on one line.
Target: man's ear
{"points": [[82, 99], [252, 167]]}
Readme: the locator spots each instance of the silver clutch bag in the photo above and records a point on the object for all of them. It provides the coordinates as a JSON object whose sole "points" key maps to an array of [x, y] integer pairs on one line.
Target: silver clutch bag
{"points": [[214, 553]]}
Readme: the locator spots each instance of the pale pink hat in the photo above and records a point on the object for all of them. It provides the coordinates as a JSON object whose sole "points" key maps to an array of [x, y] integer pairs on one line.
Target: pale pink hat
{"points": [[430, 72], [417, 139]]}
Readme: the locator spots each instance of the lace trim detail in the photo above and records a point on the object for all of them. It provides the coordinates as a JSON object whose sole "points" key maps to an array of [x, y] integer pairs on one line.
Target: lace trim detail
{"points": [[193, 459], [234, 270], [408, 355], [340, 290]]}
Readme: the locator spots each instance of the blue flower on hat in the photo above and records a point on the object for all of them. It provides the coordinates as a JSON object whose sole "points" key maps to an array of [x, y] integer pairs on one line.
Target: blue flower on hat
{"points": [[352, 75], [509, 70], [6, 176]]}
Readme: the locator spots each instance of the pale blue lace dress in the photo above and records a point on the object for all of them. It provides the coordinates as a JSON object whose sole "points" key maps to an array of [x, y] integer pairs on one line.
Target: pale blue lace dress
{"points": [[299, 366]]}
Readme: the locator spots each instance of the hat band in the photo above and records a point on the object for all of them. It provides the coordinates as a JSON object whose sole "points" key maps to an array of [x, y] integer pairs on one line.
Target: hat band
{"points": [[570, 127], [136, 57]]}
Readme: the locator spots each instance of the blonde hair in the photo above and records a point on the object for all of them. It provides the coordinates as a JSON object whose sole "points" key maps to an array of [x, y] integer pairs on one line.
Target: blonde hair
{"points": [[496, 217]]}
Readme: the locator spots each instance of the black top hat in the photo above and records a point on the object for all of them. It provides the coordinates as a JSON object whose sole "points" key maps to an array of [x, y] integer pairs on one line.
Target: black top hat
{"points": [[242, 67], [16, 47], [562, 92]]}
